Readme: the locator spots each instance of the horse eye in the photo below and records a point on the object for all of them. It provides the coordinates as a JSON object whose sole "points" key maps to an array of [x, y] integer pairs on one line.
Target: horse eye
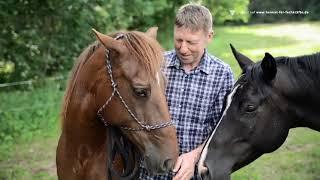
{"points": [[141, 92], [250, 108]]}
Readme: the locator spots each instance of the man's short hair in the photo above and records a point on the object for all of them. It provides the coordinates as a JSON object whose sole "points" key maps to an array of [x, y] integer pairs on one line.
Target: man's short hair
{"points": [[194, 17]]}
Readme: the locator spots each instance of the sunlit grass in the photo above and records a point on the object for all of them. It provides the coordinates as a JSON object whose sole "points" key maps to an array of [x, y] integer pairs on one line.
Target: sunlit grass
{"points": [[299, 157], [286, 39]]}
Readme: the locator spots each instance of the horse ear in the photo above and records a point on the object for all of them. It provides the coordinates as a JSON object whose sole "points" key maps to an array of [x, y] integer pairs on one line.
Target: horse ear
{"points": [[243, 60], [152, 32], [109, 42], [269, 67]]}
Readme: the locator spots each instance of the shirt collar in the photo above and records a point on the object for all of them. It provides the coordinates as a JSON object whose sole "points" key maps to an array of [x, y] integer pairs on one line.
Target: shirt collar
{"points": [[204, 65], [174, 61]]}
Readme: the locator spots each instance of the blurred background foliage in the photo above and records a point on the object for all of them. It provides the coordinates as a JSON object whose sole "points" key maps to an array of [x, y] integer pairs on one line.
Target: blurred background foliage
{"points": [[42, 37]]}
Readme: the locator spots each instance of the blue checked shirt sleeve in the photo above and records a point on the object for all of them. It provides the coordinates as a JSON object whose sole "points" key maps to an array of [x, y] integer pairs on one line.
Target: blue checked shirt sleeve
{"points": [[226, 86]]}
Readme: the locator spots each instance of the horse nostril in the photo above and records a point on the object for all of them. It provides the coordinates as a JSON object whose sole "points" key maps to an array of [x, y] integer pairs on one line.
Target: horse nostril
{"points": [[168, 164], [203, 171], [204, 174]]}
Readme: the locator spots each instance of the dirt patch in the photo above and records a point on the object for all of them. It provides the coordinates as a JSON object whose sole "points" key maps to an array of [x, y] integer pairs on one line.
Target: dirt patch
{"points": [[31, 160]]}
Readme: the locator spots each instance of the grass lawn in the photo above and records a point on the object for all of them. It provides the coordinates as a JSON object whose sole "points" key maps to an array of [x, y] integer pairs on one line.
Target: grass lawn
{"points": [[34, 160], [28, 155], [29, 120]]}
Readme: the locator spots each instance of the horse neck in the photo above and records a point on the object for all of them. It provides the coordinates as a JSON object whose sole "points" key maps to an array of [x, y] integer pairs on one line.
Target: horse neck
{"points": [[81, 118], [299, 88]]}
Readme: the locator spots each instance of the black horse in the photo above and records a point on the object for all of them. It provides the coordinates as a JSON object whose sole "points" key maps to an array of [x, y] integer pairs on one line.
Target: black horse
{"points": [[269, 98]]}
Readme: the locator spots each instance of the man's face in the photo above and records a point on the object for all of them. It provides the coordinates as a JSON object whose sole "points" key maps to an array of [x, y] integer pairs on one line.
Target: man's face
{"points": [[190, 45]]}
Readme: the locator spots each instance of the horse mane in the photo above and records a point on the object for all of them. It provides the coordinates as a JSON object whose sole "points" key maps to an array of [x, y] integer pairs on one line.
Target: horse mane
{"points": [[305, 69], [81, 60], [308, 63], [299, 66], [145, 49]]}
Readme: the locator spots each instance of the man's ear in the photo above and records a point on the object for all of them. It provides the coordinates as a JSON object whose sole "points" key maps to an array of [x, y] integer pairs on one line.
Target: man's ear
{"points": [[109, 42], [210, 36]]}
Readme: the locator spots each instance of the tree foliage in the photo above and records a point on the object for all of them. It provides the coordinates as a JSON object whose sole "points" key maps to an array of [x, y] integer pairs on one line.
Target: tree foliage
{"points": [[226, 11], [43, 37]]}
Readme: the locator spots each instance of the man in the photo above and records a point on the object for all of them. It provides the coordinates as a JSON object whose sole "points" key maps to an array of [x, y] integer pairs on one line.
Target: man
{"points": [[197, 85]]}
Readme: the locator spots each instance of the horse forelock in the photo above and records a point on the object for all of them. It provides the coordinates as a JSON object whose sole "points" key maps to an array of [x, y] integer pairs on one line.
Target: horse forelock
{"points": [[79, 63], [253, 79], [146, 50]]}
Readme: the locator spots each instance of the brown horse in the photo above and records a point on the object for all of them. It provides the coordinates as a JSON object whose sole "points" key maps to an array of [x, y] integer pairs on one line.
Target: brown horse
{"points": [[116, 80]]}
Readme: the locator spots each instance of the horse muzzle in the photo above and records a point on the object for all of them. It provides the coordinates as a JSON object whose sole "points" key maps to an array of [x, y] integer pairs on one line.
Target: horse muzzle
{"points": [[158, 165]]}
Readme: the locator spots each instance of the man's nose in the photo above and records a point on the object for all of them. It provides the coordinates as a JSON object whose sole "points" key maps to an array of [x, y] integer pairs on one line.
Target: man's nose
{"points": [[183, 48]]}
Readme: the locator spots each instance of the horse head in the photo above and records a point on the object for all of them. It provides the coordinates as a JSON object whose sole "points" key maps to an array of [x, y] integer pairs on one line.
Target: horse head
{"points": [[137, 58], [266, 101], [119, 77]]}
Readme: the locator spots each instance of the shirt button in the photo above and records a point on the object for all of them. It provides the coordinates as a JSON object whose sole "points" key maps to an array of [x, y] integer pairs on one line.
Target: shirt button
{"points": [[180, 105], [182, 89]]}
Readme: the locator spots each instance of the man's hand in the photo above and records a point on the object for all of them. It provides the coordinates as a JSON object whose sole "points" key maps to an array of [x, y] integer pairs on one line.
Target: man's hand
{"points": [[186, 163]]}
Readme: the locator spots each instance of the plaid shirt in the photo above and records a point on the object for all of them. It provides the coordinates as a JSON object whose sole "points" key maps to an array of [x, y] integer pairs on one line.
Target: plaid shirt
{"points": [[195, 100]]}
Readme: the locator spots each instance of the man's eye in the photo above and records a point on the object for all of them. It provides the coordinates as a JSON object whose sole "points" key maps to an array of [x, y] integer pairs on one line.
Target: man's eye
{"points": [[141, 92]]}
